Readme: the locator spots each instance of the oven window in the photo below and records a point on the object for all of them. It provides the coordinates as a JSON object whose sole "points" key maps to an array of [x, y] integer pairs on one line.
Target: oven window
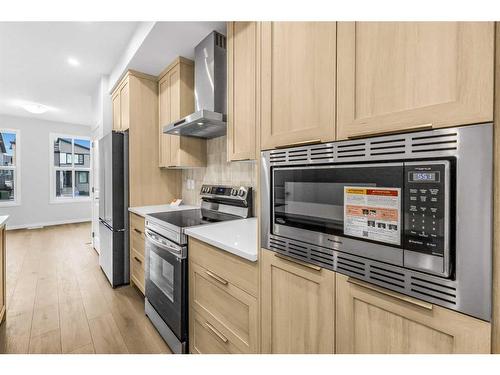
{"points": [[161, 273], [313, 198]]}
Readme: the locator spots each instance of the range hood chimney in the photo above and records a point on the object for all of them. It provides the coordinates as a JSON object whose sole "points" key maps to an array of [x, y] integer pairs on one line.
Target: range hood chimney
{"points": [[209, 120]]}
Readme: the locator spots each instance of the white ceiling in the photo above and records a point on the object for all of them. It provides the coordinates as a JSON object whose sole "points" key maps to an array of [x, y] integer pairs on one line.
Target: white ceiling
{"points": [[167, 40], [33, 65]]}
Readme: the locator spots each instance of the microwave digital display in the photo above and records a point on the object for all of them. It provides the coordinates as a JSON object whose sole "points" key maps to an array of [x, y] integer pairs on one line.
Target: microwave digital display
{"points": [[424, 176]]}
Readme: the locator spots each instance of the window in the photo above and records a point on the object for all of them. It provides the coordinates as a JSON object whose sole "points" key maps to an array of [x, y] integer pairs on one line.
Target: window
{"points": [[70, 168], [9, 167]]}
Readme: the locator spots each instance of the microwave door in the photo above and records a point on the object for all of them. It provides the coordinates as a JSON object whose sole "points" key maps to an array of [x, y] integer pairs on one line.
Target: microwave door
{"points": [[309, 203]]}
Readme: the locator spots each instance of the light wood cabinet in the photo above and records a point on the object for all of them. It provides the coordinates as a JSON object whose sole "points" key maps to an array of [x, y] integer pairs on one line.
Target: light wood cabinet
{"points": [[243, 51], [124, 107], [3, 260], [116, 111], [223, 302], [176, 100], [298, 83], [137, 109], [298, 303], [121, 107], [137, 253], [370, 319], [401, 76]]}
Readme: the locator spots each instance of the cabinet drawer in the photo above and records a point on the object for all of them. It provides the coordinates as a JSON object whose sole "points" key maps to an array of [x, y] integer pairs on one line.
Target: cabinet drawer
{"points": [[137, 242], [234, 310], [205, 337], [235, 270], [137, 269], [137, 224]]}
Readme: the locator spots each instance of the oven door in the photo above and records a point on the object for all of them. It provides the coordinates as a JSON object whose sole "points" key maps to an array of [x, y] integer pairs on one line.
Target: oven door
{"points": [[353, 208], [166, 281]]}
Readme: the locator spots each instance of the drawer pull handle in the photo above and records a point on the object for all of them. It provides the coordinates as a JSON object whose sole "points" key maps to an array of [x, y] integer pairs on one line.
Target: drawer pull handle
{"points": [[389, 132], [302, 143], [292, 260], [390, 293], [138, 260], [217, 278], [137, 231], [217, 333]]}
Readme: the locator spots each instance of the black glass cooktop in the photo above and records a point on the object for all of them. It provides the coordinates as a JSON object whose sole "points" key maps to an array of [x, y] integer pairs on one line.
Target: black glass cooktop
{"points": [[191, 218]]}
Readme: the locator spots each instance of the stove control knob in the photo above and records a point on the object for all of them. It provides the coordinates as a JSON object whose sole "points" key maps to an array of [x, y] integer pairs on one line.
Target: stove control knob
{"points": [[241, 192], [234, 192]]}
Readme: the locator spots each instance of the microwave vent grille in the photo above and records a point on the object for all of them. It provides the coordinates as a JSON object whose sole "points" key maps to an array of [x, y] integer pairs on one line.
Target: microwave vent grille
{"points": [[351, 150], [322, 153], [311, 254], [300, 155], [434, 143], [388, 147], [350, 266], [438, 290], [384, 274], [278, 157]]}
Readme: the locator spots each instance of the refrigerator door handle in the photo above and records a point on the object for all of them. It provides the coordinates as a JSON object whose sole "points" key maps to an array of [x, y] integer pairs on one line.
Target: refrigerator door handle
{"points": [[105, 223]]}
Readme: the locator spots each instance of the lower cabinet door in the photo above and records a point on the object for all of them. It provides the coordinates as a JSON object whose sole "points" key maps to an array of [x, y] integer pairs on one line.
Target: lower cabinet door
{"points": [[370, 319], [297, 306]]}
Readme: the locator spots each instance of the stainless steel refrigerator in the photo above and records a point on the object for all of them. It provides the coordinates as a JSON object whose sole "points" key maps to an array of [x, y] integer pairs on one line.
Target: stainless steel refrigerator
{"points": [[113, 207]]}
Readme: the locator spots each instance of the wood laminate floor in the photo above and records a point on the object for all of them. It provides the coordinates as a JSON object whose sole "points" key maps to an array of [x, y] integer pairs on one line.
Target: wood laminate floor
{"points": [[59, 300]]}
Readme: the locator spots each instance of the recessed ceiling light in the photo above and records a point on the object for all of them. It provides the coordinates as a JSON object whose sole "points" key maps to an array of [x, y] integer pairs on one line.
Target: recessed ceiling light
{"points": [[200, 123], [73, 62], [35, 108]]}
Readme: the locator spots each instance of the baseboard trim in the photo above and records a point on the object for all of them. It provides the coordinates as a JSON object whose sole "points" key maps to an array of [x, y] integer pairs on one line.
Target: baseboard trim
{"points": [[47, 224]]}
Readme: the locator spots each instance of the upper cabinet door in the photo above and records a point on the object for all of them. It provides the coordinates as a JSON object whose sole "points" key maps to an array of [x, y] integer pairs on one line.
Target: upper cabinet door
{"points": [[124, 107], [399, 76], [175, 106], [242, 55], [164, 116], [116, 111], [298, 83]]}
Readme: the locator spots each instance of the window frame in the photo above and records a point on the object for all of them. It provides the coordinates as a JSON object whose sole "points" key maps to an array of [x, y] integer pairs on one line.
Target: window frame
{"points": [[16, 168], [73, 167]]}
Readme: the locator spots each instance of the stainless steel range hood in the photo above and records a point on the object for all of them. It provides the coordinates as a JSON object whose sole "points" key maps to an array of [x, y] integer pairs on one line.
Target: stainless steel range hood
{"points": [[209, 118]]}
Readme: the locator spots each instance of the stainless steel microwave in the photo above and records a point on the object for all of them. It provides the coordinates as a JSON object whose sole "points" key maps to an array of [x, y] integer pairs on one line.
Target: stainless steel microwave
{"points": [[410, 212]]}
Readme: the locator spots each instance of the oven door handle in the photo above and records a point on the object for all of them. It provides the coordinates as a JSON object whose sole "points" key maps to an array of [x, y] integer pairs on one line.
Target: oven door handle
{"points": [[175, 251]]}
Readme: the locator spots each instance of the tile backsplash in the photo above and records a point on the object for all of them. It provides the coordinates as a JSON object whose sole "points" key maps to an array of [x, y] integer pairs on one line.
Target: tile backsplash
{"points": [[218, 171]]}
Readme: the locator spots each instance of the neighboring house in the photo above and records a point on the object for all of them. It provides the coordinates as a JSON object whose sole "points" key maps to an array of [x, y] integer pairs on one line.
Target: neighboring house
{"points": [[64, 157], [6, 176]]}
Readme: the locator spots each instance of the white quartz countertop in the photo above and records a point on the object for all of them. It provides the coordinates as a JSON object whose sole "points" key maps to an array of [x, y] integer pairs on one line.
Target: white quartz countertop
{"points": [[146, 210], [238, 237], [3, 220]]}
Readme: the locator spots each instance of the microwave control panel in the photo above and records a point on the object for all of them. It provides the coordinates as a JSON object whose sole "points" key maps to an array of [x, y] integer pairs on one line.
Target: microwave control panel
{"points": [[426, 214]]}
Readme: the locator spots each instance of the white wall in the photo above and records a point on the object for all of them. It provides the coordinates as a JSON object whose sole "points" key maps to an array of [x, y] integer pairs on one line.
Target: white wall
{"points": [[35, 208], [103, 111]]}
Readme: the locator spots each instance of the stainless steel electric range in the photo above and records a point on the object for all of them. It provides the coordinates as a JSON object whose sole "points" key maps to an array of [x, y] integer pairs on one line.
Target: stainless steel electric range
{"points": [[166, 257]]}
